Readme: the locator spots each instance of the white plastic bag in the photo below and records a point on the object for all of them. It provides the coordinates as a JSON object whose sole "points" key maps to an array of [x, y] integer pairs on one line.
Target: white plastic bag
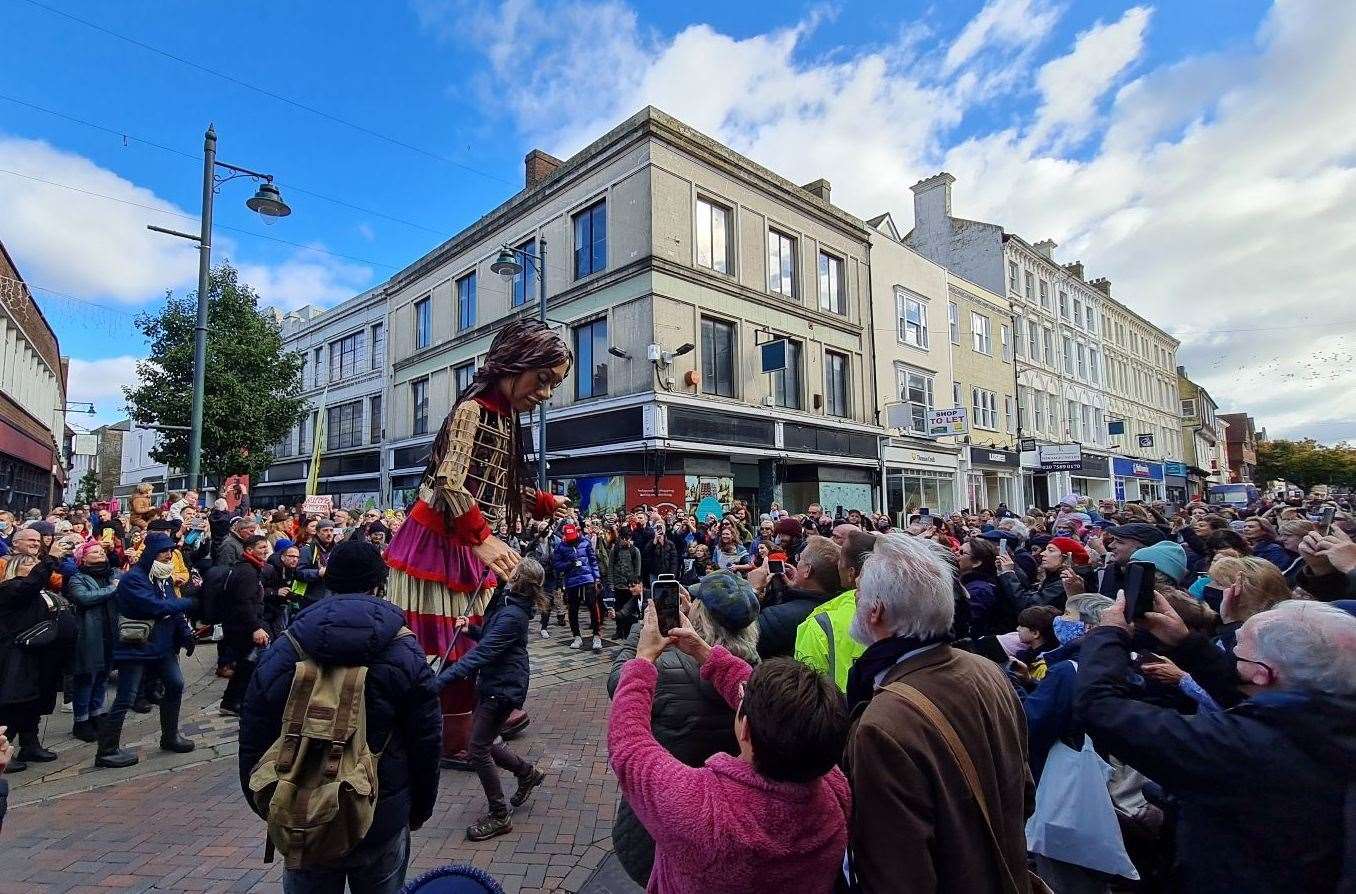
{"points": [[1074, 821]]}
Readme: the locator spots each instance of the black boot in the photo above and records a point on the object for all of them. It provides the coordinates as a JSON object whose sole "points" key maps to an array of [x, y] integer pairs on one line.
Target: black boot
{"points": [[84, 730], [170, 740], [109, 754], [31, 750]]}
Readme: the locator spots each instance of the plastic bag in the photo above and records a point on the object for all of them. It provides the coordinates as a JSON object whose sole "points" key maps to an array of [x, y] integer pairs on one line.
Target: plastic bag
{"points": [[1074, 821]]}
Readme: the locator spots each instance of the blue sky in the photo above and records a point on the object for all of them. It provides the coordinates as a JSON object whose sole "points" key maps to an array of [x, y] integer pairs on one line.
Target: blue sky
{"points": [[1059, 119]]}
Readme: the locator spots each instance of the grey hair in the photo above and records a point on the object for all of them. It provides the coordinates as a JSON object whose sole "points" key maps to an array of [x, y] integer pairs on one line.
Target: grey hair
{"points": [[1013, 526], [1310, 645], [740, 643], [528, 578], [911, 583], [1090, 606]]}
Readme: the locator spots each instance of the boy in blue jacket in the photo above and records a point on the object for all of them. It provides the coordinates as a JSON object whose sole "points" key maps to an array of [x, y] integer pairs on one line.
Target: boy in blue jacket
{"points": [[576, 565]]}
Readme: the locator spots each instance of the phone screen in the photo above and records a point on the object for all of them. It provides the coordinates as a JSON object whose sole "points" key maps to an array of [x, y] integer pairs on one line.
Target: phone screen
{"points": [[776, 566], [1139, 589], [1003, 547], [992, 649], [664, 592], [1325, 520]]}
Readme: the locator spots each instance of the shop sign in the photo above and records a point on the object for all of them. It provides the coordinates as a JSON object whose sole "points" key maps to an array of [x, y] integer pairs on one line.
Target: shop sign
{"points": [[1028, 445], [948, 421], [1059, 457], [1136, 468], [993, 457], [1178, 470]]}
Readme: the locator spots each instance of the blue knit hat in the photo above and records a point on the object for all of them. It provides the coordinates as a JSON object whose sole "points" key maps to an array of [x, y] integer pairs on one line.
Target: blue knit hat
{"points": [[282, 544], [1167, 556], [156, 543], [728, 599]]}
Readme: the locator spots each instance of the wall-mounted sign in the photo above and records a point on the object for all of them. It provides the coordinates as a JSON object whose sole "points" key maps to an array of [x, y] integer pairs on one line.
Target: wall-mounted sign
{"points": [[1146, 440], [1059, 457], [1028, 445], [773, 355], [949, 421]]}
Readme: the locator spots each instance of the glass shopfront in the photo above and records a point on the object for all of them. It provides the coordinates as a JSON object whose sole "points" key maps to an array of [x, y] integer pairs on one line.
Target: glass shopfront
{"points": [[912, 489]]}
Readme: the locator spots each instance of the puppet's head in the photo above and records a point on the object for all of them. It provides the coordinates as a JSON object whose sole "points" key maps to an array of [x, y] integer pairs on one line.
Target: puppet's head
{"points": [[527, 360]]}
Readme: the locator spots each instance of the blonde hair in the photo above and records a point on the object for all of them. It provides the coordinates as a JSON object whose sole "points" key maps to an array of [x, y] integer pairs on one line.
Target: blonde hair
{"points": [[1296, 527], [1261, 585], [740, 643]]}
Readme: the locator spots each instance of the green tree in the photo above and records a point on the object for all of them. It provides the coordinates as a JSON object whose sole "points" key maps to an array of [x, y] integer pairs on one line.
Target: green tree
{"points": [[1306, 463], [252, 385], [87, 491]]}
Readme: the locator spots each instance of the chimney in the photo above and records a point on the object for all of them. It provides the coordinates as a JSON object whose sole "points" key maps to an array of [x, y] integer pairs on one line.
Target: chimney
{"points": [[1102, 284], [1076, 269], [538, 166], [932, 200], [819, 188], [1046, 248]]}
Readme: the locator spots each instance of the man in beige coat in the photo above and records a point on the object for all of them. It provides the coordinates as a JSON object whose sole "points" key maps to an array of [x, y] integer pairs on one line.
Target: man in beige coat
{"points": [[916, 827]]}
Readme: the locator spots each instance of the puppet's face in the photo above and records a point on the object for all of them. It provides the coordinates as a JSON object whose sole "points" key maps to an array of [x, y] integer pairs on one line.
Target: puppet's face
{"points": [[528, 390]]}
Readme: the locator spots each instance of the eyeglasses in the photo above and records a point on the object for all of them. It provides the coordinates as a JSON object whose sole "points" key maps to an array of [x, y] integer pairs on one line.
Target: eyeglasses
{"points": [[1270, 671]]}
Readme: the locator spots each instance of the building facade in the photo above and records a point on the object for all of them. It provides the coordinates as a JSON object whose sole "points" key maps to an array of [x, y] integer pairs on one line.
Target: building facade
{"points": [[1203, 444], [136, 467], [673, 265], [984, 382], [1241, 447], [32, 399], [344, 377]]}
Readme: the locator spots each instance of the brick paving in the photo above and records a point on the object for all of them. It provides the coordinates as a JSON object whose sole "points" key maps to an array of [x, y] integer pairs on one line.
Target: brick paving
{"points": [[179, 822]]}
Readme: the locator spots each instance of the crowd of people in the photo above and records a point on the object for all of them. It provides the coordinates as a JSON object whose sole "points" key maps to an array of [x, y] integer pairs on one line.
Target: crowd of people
{"points": [[843, 703]]}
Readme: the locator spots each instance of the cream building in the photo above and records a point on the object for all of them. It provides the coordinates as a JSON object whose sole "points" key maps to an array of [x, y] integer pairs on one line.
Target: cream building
{"points": [[984, 382]]}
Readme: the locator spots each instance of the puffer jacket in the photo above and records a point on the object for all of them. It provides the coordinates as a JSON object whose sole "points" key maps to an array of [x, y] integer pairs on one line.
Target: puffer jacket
{"points": [[499, 660], [576, 564], [689, 719], [403, 714]]}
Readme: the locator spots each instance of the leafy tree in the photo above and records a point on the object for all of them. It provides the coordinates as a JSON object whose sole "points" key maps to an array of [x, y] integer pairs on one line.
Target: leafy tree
{"points": [[252, 385], [87, 491], [1306, 463]]}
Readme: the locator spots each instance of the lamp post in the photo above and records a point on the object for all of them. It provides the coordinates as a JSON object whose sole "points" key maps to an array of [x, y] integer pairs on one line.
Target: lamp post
{"points": [[268, 202], [507, 265]]}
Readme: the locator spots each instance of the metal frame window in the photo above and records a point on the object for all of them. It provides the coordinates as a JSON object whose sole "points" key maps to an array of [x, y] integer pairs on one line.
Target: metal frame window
{"points": [[423, 323], [984, 408], [715, 236], [590, 240], [781, 264], [378, 345], [983, 338], [525, 280], [419, 400], [345, 355], [462, 376], [953, 321], [718, 357], [915, 389], [344, 425], [374, 427], [590, 359], [466, 301], [836, 385], [786, 382], [832, 284], [1005, 339], [911, 319], [1033, 338]]}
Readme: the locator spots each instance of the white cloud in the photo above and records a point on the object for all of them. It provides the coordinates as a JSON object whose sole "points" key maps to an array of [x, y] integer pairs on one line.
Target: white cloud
{"points": [[305, 278], [100, 382], [1214, 190]]}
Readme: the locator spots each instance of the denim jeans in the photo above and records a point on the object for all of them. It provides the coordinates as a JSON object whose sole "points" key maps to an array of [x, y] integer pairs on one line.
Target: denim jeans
{"points": [[87, 694], [129, 684], [368, 870], [487, 756]]}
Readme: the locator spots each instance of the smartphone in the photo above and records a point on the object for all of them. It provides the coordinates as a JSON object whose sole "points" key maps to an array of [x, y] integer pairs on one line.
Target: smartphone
{"points": [[1325, 520], [664, 592], [924, 511], [1139, 589], [1003, 547], [776, 566], [1068, 561]]}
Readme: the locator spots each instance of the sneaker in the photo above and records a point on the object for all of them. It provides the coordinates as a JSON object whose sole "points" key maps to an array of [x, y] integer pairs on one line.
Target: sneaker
{"points": [[489, 826], [576, 643], [545, 634], [525, 787], [597, 645]]}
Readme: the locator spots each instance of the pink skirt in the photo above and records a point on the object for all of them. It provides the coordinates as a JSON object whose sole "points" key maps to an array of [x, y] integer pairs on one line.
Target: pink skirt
{"points": [[435, 578]]}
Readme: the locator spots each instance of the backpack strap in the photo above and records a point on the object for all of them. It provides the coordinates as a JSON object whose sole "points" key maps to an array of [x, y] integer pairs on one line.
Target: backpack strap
{"points": [[822, 619], [344, 721], [294, 715]]}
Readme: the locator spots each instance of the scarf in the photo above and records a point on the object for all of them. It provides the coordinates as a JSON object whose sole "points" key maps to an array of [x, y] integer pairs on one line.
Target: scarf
{"points": [[100, 571], [253, 560], [161, 570], [880, 656], [1066, 631]]}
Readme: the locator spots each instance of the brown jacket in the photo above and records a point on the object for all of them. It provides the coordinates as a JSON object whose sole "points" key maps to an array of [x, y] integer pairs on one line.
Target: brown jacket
{"points": [[915, 827]]}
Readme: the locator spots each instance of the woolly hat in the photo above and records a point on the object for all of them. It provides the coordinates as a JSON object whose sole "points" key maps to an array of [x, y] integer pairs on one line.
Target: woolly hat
{"points": [[788, 527], [1071, 547], [79, 552], [1167, 556], [44, 528], [728, 599], [1140, 532], [282, 544], [354, 567], [156, 543]]}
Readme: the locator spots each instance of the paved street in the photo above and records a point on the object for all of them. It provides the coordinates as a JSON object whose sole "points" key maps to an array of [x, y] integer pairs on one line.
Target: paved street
{"points": [[179, 822]]}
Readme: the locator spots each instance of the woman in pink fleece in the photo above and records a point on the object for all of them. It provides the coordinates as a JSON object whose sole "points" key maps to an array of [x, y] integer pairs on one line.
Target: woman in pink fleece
{"points": [[772, 819]]}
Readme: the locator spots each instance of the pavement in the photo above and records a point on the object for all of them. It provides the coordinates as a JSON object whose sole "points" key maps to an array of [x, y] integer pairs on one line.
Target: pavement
{"points": [[178, 822]]}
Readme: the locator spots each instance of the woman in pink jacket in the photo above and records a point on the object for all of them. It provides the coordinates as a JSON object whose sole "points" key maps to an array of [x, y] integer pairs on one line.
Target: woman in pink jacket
{"points": [[772, 819]]}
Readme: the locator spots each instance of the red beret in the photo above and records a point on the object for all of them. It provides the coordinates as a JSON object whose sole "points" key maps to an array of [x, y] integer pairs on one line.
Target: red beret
{"points": [[1072, 547]]}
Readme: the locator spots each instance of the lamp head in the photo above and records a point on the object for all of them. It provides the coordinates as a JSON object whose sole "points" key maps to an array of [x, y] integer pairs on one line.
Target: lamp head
{"points": [[685, 348], [268, 201], [506, 264]]}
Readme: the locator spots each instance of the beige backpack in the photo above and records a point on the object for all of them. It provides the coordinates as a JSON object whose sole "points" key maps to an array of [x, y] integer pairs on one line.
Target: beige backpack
{"points": [[317, 784]]}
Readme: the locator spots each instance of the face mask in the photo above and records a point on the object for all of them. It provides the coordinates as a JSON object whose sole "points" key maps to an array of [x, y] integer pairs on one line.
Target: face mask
{"points": [[1067, 631], [96, 567], [162, 570]]}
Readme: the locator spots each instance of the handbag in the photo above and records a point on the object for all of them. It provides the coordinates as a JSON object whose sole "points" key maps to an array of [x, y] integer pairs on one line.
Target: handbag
{"points": [[59, 625], [924, 705]]}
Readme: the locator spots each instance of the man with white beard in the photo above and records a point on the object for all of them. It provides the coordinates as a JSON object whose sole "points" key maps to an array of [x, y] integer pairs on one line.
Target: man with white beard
{"points": [[923, 712]]}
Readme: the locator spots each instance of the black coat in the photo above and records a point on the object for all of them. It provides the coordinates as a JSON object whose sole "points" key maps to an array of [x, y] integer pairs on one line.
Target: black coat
{"points": [[24, 673], [400, 695], [97, 615], [1260, 787], [661, 557], [499, 659], [242, 602], [777, 623]]}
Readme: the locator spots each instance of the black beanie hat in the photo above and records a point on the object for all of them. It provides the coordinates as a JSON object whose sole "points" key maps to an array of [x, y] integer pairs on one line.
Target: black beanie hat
{"points": [[355, 566]]}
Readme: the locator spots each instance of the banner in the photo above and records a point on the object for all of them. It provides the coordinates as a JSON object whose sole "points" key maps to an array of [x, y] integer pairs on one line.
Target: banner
{"points": [[668, 492]]}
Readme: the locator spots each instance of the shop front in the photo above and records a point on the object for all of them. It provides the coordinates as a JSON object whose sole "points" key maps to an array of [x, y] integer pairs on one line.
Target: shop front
{"points": [[919, 479], [1175, 483], [992, 477], [1093, 478], [1137, 479]]}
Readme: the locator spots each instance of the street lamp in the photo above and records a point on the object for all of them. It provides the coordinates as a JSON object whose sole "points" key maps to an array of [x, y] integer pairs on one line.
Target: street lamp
{"points": [[268, 203], [78, 403], [508, 266]]}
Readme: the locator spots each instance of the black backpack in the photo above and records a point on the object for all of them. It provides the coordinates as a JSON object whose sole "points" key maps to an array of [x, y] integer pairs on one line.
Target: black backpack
{"points": [[212, 596]]}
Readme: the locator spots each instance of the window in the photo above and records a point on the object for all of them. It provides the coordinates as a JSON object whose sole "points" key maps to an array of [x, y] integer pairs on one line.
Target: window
{"points": [[345, 355], [915, 390], [713, 237], [1063, 305], [913, 319], [419, 399], [1068, 356], [423, 323], [718, 340], [590, 359], [1045, 295], [1189, 407], [305, 359], [1018, 342], [956, 395], [832, 286], [1039, 403], [1029, 283], [1007, 414], [1005, 338], [984, 406], [525, 281], [344, 425], [836, 384], [462, 376], [1085, 413], [1082, 361], [1094, 361], [1072, 408], [1078, 312], [305, 440], [1099, 435], [590, 240], [466, 302], [1050, 358], [374, 419], [378, 346], [786, 382], [781, 264], [980, 325], [1091, 319], [1033, 338]]}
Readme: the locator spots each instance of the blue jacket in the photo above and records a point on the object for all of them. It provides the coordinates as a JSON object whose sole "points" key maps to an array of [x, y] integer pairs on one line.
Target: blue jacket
{"points": [[1260, 787], [1049, 713], [400, 695], [1274, 553], [575, 564], [499, 660], [141, 599]]}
